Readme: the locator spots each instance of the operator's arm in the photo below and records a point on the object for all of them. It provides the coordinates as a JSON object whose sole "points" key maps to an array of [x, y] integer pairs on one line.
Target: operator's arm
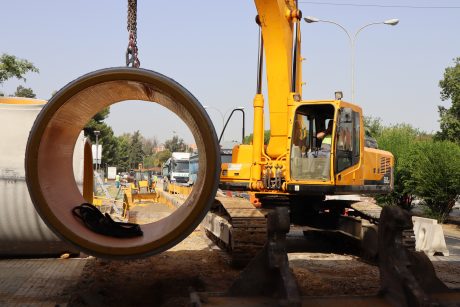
{"points": [[321, 135]]}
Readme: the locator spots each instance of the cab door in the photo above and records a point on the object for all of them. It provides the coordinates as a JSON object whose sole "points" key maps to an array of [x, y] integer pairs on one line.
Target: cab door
{"points": [[347, 145]]}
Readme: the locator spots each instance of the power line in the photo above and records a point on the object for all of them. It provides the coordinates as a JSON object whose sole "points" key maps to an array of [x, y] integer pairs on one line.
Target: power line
{"points": [[381, 5]]}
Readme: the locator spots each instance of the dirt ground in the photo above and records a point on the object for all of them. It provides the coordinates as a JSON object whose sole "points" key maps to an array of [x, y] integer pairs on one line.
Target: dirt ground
{"points": [[167, 278]]}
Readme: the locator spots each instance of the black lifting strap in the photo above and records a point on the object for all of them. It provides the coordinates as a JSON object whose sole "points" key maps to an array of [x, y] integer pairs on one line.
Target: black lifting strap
{"points": [[103, 224]]}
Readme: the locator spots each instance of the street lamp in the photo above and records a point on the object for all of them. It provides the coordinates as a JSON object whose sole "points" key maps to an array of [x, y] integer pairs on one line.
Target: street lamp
{"points": [[96, 133], [390, 22], [221, 115]]}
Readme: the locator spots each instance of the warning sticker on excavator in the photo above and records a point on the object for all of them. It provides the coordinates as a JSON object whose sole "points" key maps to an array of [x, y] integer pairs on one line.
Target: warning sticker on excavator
{"points": [[234, 166]]}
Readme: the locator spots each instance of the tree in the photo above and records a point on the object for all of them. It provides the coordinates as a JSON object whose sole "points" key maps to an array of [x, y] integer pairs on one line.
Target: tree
{"points": [[136, 154], [123, 142], [176, 144], [148, 145], [450, 117], [161, 157], [434, 169], [398, 139], [248, 138], [22, 91], [12, 67], [373, 126], [106, 137]]}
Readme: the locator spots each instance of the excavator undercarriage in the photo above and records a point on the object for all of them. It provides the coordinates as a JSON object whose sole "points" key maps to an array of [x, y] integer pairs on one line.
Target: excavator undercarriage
{"points": [[239, 228], [407, 277]]}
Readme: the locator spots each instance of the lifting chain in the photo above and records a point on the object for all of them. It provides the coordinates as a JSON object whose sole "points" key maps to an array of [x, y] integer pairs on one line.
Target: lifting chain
{"points": [[132, 51]]}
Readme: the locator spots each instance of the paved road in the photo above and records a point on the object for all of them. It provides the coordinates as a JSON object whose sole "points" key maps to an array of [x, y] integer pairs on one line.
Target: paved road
{"points": [[453, 245]]}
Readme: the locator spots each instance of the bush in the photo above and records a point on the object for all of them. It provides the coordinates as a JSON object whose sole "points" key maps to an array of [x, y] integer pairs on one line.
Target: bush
{"points": [[434, 175], [398, 139]]}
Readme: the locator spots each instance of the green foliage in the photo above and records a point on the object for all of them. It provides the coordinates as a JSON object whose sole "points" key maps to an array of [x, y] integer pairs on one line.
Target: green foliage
{"points": [[397, 140], [12, 67], [161, 157], [136, 154], [373, 126], [106, 137], [123, 142], [434, 175], [148, 145], [22, 91], [248, 138], [150, 161], [450, 117], [176, 144], [134, 149]]}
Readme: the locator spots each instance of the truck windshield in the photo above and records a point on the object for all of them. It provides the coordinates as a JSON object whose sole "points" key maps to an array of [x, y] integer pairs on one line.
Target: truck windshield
{"points": [[181, 166]]}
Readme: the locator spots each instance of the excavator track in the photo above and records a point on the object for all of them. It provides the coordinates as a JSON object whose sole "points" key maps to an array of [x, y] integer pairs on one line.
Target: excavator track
{"points": [[240, 229], [367, 210], [236, 226], [372, 212]]}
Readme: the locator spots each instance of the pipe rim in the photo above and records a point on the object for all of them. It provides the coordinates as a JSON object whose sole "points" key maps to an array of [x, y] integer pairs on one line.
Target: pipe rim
{"points": [[198, 202]]}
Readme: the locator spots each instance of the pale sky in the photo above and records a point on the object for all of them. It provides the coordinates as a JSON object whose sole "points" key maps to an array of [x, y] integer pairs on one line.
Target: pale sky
{"points": [[210, 47]]}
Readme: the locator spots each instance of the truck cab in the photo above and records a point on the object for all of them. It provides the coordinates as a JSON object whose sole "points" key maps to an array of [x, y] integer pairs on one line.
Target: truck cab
{"points": [[176, 169]]}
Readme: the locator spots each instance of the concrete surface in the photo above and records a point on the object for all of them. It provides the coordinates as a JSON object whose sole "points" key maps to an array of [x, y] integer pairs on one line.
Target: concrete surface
{"points": [[38, 282]]}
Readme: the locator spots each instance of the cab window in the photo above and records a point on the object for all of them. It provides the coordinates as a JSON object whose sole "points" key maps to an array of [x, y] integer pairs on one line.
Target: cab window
{"points": [[348, 143], [310, 154]]}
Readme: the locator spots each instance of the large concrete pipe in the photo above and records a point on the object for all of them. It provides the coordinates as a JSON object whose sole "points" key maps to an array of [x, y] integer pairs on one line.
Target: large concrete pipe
{"points": [[22, 231], [49, 174]]}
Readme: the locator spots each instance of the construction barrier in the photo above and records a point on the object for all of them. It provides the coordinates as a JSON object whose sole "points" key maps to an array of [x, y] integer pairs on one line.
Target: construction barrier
{"points": [[429, 236]]}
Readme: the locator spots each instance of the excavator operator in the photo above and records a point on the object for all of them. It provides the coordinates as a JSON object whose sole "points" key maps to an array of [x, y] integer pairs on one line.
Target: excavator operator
{"points": [[326, 137], [325, 149]]}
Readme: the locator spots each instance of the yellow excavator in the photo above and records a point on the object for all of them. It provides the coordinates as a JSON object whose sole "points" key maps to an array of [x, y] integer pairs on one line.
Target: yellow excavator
{"points": [[300, 165], [143, 187]]}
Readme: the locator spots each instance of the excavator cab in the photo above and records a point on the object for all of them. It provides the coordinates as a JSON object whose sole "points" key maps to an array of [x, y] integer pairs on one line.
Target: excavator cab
{"points": [[344, 165], [310, 155]]}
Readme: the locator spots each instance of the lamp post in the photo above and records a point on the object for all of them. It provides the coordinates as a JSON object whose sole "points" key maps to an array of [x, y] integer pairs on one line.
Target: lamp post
{"points": [[352, 40], [96, 133], [220, 112]]}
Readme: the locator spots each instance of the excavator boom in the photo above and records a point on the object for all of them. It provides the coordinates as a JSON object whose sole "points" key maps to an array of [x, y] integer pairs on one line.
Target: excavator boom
{"points": [[278, 21]]}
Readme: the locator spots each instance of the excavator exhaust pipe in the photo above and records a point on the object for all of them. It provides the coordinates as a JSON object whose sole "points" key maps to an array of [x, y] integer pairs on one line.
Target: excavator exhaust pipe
{"points": [[48, 160]]}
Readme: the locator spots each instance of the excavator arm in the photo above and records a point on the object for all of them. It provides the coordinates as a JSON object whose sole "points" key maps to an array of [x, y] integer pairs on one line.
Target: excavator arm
{"points": [[279, 22]]}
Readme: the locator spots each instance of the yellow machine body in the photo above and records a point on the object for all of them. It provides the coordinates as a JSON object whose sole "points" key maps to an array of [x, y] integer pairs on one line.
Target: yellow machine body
{"points": [[292, 162], [144, 187]]}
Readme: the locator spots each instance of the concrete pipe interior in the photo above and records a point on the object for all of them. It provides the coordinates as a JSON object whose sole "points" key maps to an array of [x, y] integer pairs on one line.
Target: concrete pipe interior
{"points": [[49, 172]]}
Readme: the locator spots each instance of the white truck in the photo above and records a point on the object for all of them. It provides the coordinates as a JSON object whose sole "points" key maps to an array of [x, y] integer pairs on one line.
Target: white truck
{"points": [[111, 172], [176, 169]]}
